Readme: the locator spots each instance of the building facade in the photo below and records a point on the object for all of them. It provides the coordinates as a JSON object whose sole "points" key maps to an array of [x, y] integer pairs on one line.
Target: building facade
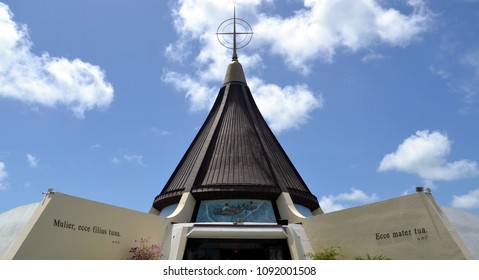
{"points": [[234, 195]]}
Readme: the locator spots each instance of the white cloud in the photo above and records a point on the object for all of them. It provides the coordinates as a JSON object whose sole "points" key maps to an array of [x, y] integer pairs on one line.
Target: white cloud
{"points": [[322, 27], [138, 159], [372, 56], [134, 158], [469, 200], [357, 195], [200, 96], [463, 79], [312, 33], [332, 203], [32, 160], [115, 161], [469, 85], [46, 80], [329, 204], [161, 132], [3, 176], [286, 107], [443, 73], [428, 183], [425, 154]]}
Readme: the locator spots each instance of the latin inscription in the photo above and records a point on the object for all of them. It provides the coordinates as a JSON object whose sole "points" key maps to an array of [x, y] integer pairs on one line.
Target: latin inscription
{"points": [[63, 224], [420, 233], [86, 228]]}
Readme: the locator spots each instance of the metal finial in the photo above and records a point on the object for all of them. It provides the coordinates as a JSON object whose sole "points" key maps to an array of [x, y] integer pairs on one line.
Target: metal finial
{"points": [[240, 39], [235, 55]]}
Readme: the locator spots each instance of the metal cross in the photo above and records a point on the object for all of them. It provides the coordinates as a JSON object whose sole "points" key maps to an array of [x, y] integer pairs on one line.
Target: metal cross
{"points": [[224, 30]]}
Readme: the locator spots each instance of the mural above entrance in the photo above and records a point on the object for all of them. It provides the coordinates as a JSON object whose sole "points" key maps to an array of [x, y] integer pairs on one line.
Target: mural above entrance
{"points": [[236, 210]]}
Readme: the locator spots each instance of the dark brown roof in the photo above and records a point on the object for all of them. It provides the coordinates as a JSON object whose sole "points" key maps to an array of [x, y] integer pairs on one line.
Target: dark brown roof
{"points": [[235, 155]]}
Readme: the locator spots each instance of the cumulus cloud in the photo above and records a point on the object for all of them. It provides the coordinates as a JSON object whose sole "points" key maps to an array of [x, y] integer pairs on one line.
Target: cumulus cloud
{"points": [[32, 160], [469, 200], [286, 107], [3, 176], [332, 203], [322, 27], [200, 96], [46, 80], [312, 33], [424, 154]]}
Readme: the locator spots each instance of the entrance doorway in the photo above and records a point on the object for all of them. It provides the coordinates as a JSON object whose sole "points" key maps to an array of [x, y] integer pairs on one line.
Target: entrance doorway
{"points": [[233, 249]]}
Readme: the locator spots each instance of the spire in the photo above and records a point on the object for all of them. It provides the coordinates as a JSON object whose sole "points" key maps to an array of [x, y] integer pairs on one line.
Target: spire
{"points": [[235, 55], [241, 33]]}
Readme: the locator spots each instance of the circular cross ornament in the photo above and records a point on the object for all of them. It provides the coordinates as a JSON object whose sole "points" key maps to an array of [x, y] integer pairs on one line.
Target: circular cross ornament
{"points": [[234, 33]]}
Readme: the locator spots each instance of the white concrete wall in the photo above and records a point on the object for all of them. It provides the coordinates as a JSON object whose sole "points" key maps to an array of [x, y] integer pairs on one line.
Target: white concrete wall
{"points": [[407, 227], [67, 227]]}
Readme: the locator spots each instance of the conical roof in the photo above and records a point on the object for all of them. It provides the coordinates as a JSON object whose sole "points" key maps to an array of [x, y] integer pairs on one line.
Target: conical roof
{"points": [[235, 154]]}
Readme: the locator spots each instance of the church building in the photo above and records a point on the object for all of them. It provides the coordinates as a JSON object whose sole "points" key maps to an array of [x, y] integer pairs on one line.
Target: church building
{"points": [[235, 194]]}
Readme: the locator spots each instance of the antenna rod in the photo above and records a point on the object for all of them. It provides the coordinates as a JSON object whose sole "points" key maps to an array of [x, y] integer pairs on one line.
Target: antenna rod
{"points": [[235, 55]]}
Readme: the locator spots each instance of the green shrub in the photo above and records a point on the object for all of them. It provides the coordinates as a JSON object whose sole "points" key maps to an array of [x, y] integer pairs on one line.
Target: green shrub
{"points": [[331, 253]]}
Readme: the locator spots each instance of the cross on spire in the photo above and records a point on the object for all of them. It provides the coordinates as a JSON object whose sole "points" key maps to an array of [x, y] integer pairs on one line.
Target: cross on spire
{"points": [[224, 31]]}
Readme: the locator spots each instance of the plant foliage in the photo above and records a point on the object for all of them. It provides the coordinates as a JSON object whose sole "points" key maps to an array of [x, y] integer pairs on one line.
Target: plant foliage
{"points": [[331, 253], [145, 251]]}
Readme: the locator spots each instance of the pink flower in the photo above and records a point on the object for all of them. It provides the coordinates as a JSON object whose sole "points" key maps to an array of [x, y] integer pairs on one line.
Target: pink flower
{"points": [[145, 251]]}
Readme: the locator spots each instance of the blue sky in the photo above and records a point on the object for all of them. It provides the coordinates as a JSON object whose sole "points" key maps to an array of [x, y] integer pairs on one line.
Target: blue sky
{"points": [[101, 99]]}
